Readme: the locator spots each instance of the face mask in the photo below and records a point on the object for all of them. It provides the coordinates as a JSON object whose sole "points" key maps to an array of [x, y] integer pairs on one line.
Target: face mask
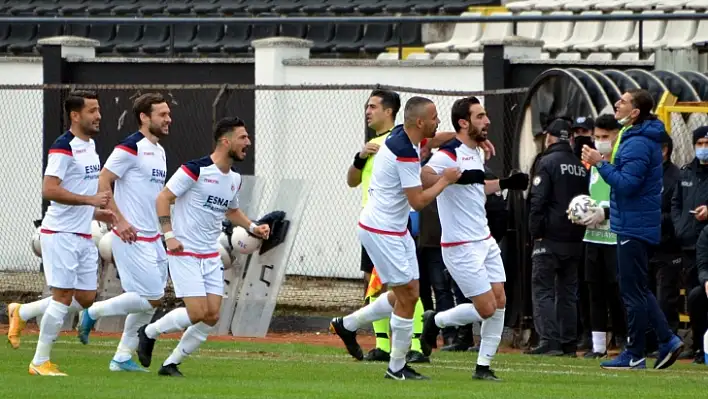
{"points": [[702, 154], [604, 147], [580, 141], [624, 121]]}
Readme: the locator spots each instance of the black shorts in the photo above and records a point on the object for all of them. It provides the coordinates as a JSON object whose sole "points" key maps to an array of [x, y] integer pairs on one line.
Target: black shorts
{"points": [[600, 263], [367, 266]]}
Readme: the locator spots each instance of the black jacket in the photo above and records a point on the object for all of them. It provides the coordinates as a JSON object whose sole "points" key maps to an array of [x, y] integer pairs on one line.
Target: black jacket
{"points": [[669, 243], [690, 192], [702, 256], [559, 176]]}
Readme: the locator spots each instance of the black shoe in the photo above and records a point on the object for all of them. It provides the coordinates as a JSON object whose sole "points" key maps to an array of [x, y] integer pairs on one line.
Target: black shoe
{"points": [[406, 373], [170, 370], [416, 357], [595, 355], [485, 373], [377, 355], [699, 358], [569, 350], [145, 347], [687, 354], [336, 326], [544, 350], [474, 349], [430, 332]]}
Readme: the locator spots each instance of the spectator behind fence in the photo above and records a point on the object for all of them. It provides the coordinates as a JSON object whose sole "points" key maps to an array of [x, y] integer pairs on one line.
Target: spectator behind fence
{"points": [[689, 212], [557, 248], [635, 180]]}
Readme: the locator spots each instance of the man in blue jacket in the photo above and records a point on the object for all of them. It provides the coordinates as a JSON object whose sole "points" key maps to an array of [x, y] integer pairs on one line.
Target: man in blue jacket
{"points": [[635, 180]]}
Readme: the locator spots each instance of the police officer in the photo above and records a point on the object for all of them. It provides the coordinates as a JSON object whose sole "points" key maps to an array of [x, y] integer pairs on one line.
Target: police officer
{"points": [[558, 177]]}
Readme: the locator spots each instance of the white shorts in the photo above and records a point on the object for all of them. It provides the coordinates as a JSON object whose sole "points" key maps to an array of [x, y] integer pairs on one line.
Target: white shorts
{"points": [[393, 256], [475, 265], [70, 261], [142, 266], [194, 276]]}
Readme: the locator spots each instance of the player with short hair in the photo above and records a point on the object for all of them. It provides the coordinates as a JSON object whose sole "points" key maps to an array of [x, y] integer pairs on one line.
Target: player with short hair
{"points": [[138, 168], [203, 191], [70, 257], [395, 188], [469, 251]]}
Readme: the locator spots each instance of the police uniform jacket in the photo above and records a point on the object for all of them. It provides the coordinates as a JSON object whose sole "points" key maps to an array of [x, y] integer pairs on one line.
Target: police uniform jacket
{"points": [[559, 176], [691, 191]]}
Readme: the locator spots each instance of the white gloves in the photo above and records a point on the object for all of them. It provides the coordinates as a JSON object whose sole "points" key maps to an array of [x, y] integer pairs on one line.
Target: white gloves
{"points": [[595, 216]]}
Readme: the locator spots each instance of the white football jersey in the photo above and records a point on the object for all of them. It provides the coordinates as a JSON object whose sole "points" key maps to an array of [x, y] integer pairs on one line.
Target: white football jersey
{"points": [[204, 194], [396, 167], [76, 163], [141, 168], [461, 207]]}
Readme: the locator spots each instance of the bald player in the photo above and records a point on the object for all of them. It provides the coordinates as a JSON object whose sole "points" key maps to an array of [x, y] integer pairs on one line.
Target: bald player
{"points": [[395, 188]]}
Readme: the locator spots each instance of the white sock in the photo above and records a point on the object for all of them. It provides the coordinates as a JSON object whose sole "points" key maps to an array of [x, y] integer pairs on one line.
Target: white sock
{"points": [[460, 315], [129, 340], [491, 334], [123, 304], [49, 330], [176, 320], [376, 310], [31, 310], [401, 335], [599, 341], [191, 339], [75, 306]]}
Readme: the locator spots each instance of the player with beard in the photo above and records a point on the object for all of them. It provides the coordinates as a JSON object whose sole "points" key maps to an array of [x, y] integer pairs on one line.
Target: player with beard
{"points": [[70, 257], [203, 191], [138, 169], [469, 251]]}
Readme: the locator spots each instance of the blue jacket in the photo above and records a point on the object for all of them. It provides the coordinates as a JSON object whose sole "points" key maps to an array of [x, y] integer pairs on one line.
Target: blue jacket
{"points": [[635, 180]]}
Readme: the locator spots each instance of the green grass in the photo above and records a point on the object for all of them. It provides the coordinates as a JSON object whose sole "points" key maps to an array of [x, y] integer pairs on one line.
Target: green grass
{"points": [[254, 370]]}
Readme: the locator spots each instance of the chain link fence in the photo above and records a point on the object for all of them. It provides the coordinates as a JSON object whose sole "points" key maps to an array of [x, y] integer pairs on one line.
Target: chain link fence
{"points": [[681, 126], [304, 132]]}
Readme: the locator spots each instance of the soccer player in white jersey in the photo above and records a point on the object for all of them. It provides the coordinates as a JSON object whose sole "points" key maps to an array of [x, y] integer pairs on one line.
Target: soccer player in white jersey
{"points": [[395, 187], [204, 191], [70, 257], [471, 255], [138, 169]]}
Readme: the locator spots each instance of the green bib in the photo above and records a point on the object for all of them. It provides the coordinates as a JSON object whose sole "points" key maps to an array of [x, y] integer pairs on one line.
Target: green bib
{"points": [[600, 192]]}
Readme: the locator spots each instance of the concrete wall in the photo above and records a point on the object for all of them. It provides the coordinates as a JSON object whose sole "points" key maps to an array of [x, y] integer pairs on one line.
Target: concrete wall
{"points": [[21, 113]]}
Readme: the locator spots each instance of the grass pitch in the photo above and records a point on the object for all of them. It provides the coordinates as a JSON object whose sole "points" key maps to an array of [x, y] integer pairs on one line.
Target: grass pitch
{"points": [[290, 370]]}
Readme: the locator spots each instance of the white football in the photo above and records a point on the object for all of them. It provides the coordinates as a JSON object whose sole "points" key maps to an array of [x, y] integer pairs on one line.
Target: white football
{"points": [[98, 230], [36, 247], [579, 207], [224, 241], [243, 242], [225, 257], [105, 247]]}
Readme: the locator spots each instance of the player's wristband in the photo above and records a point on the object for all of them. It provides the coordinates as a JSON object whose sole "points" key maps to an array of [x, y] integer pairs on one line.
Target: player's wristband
{"points": [[252, 227], [359, 163], [168, 235]]}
